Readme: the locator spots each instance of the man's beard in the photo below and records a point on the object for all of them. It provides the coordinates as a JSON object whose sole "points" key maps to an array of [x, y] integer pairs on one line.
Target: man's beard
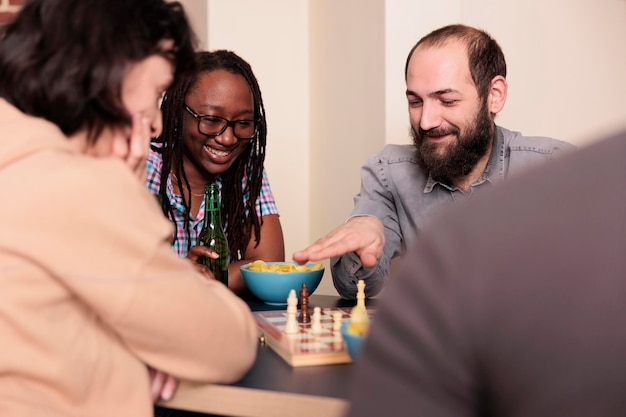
{"points": [[459, 157]]}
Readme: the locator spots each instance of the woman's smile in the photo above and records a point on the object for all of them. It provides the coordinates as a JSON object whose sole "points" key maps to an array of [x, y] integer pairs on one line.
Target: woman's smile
{"points": [[218, 156]]}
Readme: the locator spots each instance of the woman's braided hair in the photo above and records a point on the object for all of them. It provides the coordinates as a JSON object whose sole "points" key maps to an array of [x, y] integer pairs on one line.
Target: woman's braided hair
{"points": [[239, 219]]}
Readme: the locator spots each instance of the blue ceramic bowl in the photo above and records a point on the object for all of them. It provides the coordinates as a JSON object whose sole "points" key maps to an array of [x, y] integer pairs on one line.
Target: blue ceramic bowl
{"points": [[273, 287], [354, 342]]}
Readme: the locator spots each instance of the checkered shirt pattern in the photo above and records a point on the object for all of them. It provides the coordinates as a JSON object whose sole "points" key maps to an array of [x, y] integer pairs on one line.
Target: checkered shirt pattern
{"points": [[265, 203]]}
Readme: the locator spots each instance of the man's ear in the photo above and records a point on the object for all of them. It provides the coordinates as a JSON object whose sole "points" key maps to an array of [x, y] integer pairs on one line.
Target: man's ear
{"points": [[497, 94]]}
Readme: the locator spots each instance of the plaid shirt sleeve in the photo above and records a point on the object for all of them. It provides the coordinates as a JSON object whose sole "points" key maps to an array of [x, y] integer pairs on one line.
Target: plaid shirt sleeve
{"points": [[266, 204], [153, 168]]}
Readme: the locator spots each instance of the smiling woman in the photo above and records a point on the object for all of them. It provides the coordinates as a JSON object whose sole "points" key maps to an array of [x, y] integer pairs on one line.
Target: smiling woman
{"points": [[214, 131]]}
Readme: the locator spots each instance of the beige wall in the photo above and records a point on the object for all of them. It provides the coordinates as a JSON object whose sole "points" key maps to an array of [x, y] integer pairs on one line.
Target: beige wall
{"points": [[331, 72]]}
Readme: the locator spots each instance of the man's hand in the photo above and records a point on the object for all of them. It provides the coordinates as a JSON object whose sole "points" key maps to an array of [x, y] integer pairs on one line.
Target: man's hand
{"points": [[162, 385], [363, 235]]}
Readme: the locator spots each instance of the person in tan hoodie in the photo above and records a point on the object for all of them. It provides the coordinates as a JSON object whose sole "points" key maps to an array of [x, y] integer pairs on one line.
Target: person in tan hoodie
{"points": [[96, 310]]}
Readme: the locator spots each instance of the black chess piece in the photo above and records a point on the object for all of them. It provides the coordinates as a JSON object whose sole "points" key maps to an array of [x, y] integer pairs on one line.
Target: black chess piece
{"points": [[304, 316]]}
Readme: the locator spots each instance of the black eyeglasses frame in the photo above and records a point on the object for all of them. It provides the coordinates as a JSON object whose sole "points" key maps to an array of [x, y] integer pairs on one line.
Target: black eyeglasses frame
{"points": [[232, 123]]}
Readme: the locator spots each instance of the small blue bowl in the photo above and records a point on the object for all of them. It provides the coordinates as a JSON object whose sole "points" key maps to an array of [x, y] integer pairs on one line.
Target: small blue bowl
{"points": [[354, 342], [273, 287]]}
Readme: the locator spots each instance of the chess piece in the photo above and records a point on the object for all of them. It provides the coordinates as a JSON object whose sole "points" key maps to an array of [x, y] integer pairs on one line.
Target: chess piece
{"points": [[292, 309], [360, 293], [359, 319], [337, 322], [304, 316], [337, 337], [316, 324]]}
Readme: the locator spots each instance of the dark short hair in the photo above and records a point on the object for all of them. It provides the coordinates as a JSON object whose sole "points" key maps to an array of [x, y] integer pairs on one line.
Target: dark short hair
{"points": [[486, 59], [64, 60]]}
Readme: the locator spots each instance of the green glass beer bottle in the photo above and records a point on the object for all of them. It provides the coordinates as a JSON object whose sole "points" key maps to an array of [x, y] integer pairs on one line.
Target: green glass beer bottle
{"points": [[213, 236]]}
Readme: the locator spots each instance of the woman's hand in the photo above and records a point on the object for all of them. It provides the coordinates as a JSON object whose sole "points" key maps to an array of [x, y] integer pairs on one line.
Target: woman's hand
{"points": [[134, 149], [162, 385], [196, 253]]}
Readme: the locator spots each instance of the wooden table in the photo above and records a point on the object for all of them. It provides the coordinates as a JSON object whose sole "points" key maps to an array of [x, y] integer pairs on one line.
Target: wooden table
{"points": [[272, 388]]}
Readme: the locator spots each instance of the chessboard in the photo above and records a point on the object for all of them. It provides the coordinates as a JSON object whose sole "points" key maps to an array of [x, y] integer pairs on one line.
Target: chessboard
{"points": [[306, 348]]}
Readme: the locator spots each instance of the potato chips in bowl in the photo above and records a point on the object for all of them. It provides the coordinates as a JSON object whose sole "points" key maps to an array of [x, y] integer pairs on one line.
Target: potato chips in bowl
{"points": [[262, 266], [272, 281]]}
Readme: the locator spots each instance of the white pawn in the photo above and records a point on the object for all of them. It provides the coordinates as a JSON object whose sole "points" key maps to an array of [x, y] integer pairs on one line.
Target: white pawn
{"points": [[316, 324], [337, 322], [292, 310]]}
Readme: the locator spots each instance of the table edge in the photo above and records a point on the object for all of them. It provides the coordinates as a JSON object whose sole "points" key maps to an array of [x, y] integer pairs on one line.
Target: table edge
{"points": [[252, 402]]}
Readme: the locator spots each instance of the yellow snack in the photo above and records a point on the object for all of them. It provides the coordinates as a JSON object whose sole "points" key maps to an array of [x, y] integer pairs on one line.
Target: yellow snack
{"points": [[359, 328], [261, 266], [359, 321], [257, 266], [314, 267]]}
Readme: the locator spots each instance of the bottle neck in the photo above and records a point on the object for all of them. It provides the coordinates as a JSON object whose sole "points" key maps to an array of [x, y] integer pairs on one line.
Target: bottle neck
{"points": [[212, 204]]}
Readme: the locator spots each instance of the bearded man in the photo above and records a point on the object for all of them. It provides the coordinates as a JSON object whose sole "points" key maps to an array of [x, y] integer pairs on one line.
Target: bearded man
{"points": [[456, 84]]}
